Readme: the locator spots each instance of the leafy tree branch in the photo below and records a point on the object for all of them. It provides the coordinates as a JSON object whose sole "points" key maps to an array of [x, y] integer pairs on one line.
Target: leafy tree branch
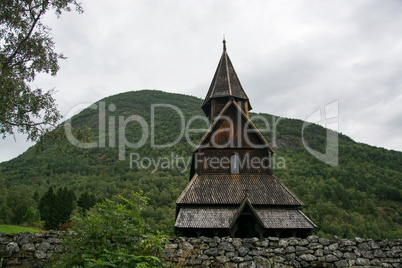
{"points": [[27, 49]]}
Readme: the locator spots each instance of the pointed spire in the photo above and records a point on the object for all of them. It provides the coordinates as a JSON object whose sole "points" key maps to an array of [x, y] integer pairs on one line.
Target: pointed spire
{"points": [[225, 82]]}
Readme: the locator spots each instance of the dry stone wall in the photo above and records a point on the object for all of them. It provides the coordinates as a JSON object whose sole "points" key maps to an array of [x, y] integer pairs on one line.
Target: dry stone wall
{"points": [[286, 252], [28, 250]]}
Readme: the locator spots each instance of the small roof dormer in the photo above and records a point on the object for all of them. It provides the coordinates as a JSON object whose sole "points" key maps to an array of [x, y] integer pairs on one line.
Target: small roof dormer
{"points": [[225, 83]]}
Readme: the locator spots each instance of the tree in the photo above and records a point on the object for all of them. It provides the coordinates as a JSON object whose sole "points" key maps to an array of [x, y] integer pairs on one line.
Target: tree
{"points": [[48, 210], [27, 49], [32, 217], [65, 204], [113, 235], [86, 201], [56, 209], [19, 200], [6, 214]]}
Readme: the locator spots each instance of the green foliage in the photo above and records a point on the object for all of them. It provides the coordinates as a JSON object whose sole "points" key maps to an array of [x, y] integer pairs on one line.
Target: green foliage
{"points": [[27, 49], [113, 234], [6, 213], [32, 217], [19, 200], [56, 208], [359, 197], [48, 210], [86, 201]]}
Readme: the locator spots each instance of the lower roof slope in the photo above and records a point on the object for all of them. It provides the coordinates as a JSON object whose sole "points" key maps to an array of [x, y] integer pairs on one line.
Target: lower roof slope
{"points": [[284, 219], [224, 217], [205, 217], [219, 189]]}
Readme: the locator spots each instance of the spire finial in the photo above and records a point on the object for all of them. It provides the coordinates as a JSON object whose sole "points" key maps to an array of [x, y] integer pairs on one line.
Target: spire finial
{"points": [[224, 43]]}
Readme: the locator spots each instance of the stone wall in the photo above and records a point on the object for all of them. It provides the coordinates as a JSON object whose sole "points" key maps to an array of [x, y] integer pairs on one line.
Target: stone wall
{"points": [[27, 250], [286, 252]]}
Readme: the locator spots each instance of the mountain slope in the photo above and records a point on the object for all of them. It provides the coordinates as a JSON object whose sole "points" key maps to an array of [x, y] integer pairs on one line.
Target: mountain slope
{"points": [[359, 197]]}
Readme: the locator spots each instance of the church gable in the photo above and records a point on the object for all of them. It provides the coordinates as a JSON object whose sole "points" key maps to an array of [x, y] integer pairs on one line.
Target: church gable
{"points": [[246, 208], [233, 129]]}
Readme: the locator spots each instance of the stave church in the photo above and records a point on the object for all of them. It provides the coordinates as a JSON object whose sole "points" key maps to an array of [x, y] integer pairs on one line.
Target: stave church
{"points": [[232, 190]]}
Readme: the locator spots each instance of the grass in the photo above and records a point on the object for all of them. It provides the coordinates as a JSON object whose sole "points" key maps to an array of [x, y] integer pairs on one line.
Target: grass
{"points": [[13, 229]]}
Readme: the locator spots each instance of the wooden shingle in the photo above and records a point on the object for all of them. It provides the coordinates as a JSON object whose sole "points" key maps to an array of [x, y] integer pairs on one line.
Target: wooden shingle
{"points": [[205, 217], [225, 83], [263, 189], [284, 219]]}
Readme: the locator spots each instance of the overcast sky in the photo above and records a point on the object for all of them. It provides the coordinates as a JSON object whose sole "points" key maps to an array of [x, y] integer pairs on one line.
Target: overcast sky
{"points": [[292, 57]]}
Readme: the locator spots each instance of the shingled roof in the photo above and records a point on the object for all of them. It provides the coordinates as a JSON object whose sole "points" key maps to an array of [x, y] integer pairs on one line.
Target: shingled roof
{"points": [[219, 189], [225, 217], [205, 217], [225, 82], [275, 218]]}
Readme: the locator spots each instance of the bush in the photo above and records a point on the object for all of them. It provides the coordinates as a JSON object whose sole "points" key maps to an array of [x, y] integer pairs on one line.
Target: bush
{"points": [[113, 235], [66, 226]]}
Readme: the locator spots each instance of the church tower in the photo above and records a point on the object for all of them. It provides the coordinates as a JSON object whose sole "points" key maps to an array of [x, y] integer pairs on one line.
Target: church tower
{"points": [[232, 190], [225, 86]]}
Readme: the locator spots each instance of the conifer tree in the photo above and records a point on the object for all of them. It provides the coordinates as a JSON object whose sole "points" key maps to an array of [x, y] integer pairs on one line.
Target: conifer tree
{"points": [[48, 210], [86, 201], [56, 209]]}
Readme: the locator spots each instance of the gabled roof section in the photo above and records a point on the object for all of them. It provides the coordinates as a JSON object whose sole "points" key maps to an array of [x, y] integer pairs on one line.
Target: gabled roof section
{"points": [[221, 117], [225, 82], [246, 202], [225, 217], [230, 189]]}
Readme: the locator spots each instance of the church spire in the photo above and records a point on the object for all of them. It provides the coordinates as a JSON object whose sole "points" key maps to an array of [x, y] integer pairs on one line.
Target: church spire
{"points": [[225, 84]]}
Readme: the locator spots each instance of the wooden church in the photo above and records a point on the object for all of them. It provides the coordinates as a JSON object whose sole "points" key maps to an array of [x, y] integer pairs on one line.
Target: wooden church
{"points": [[232, 191]]}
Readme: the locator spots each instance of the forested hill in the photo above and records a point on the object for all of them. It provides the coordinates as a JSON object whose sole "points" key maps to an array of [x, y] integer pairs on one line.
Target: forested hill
{"points": [[359, 197]]}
